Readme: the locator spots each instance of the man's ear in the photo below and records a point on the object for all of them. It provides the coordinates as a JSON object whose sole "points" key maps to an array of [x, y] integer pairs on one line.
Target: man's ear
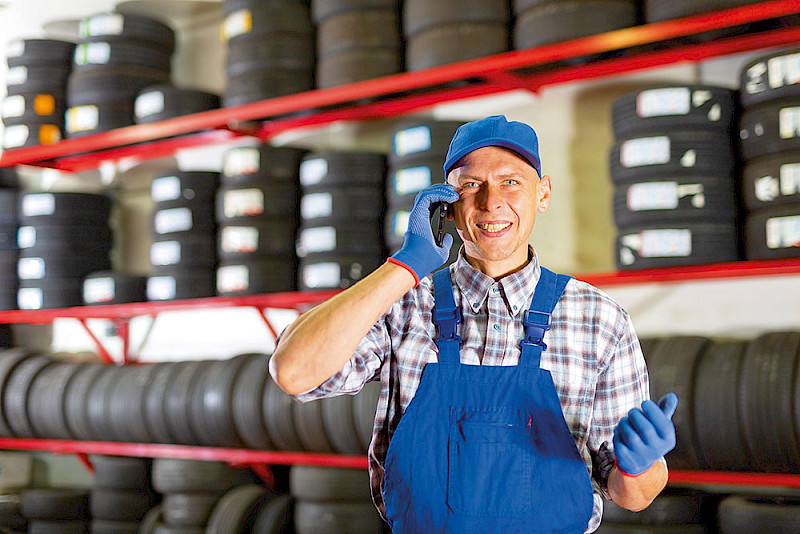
{"points": [[543, 192]]}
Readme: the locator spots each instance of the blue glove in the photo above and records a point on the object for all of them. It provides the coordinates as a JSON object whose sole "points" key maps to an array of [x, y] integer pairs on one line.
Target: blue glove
{"points": [[419, 253], [645, 435]]}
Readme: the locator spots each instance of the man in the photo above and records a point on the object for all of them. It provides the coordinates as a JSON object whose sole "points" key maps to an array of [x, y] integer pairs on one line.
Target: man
{"points": [[485, 424]]}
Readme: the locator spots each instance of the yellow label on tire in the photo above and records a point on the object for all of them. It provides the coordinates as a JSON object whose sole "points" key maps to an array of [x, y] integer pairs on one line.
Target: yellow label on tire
{"points": [[237, 23]]}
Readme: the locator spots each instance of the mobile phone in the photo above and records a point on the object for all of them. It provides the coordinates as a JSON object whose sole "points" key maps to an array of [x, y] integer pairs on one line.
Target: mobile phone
{"points": [[442, 220]]}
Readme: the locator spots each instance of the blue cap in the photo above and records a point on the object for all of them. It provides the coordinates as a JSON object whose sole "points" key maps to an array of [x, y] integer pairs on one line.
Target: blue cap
{"points": [[494, 131]]}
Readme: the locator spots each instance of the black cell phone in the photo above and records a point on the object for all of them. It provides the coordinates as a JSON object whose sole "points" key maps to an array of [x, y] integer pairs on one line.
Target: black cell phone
{"points": [[442, 206]]}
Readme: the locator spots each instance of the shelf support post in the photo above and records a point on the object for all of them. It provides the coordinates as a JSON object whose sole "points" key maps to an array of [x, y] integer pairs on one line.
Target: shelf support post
{"points": [[101, 349]]}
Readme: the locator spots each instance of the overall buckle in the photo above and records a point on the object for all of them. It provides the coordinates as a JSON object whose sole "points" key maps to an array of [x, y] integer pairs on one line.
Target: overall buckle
{"points": [[536, 325], [447, 322]]}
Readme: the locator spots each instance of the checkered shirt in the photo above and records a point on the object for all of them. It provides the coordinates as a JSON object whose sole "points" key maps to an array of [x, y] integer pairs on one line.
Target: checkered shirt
{"points": [[593, 356]]}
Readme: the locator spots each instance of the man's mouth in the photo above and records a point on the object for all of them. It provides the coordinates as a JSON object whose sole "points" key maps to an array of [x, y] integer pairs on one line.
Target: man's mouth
{"points": [[493, 227]]}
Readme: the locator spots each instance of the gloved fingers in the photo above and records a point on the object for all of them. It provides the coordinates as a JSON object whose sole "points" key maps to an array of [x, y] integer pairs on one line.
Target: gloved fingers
{"points": [[447, 242], [435, 193], [625, 433], [659, 420], [668, 404], [643, 426]]}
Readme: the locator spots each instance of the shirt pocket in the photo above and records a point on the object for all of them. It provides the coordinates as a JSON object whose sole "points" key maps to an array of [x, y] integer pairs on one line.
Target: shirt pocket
{"points": [[489, 465]]}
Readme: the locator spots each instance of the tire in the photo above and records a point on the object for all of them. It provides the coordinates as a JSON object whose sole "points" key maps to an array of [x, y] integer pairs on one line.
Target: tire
{"points": [[181, 286], [265, 238], [310, 428], [106, 287], [253, 277], [10, 359], [323, 9], [178, 400], [50, 294], [336, 169], [119, 51], [183, 188], [276, 164], [264, 84], [555, 22], [235, 511], [420, 15], [39, 52], [675, 107], [120, 505], [103, 25], [769, 128], [76, 397], [256, 200], [16, 396], [32, 134], [266, 18], [176, 252], [67, 237], [173, 475], [274, 516], [710, 199], [57, 527], [126, 406], [46, 401], [671, 154], [344, 237], [337, 517], [120, 472], [356, 65], [451, 43], [357, 30], [772, 233], [53, 267], [102, 526], [339, 425], [97, 404], [771, 181], [248, 392], [329, 484], [188, 509], [212, 404], [334, 271], [403, 182], [154, 401], [660, 10], [288, 51], [63, 208], [33, 107], [416, 141], [743, 515], [90, 119], [672, 507], [161, 102], [51, 504], [676, 244], [320, 206], [48, 78], [277, 411], [364, 407], [762, 80], [115, 83]]}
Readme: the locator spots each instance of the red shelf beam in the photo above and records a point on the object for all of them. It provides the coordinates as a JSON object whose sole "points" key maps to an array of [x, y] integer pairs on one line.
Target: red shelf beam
{"points": [[716, 478], [405, 92]]}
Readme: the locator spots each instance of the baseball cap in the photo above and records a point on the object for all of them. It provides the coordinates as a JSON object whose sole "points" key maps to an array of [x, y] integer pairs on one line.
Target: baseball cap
{"points": [[494, 131]]}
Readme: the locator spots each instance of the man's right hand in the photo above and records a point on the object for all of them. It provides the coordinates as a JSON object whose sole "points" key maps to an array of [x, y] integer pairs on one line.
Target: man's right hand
{"points": [[419, 253]]}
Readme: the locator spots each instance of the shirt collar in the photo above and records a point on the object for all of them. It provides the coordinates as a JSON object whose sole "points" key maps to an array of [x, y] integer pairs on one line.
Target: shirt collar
{"points": [[516, 288]]}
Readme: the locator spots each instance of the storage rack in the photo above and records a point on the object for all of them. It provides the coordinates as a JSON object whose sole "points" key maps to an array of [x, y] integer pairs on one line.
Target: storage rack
{"points": [[763, 25]]}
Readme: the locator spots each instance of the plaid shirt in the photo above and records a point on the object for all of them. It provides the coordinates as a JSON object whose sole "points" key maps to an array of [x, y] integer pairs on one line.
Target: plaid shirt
{"points": [[593, 355]]}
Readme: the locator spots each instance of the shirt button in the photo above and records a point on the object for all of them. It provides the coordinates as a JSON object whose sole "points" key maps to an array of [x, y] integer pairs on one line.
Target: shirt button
{"points": [[476, 305], [497, 327], [515, 307]]}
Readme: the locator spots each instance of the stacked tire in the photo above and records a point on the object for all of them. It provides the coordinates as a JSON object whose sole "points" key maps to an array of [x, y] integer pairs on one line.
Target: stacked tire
{"points": [[122, 494], [118, 56], [270, 49], [257, 215], [415, 162], [770, 149], [33, 109], [63, 237], [444, 32], [341, 239], [674, 510], [56, 511], [661, 10], [333, 500], [183, 251], [165, 101], [356, 40], [674, 168], [112, 287], [9, 249], [541, 22]]}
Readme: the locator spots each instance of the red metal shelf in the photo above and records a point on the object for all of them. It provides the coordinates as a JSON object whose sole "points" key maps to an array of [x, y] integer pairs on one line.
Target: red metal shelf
{"points": [[608, 54], [717, 478]]}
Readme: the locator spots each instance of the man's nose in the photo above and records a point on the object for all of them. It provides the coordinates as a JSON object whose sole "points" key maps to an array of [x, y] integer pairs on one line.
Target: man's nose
{"points": [[490, 197]]}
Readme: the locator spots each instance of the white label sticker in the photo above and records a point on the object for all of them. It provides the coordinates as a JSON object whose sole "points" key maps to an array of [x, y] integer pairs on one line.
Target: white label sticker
{"points": [[26, 236], [29, 298], [17, 75], [233, 279], [161, 288], [783, 232], [320, 239], [401, 222], [322, 275], [790, 179], [149, 103], [82, 118], [13, 106], [38, 204], [789, 122], [412, 180], [645, 151], [107, 24], [15, 48], [237, 23], [243, 203], [783, 70], [93, 53], [242, 161], [173, 220], [412, 140], [239, 239], [98, 290], [665, 243], [15, 136], [316, 205], [660, 102], [766, 188], [165, 188], [653, 196], [165, 253], [312, 171], [31, 268]]}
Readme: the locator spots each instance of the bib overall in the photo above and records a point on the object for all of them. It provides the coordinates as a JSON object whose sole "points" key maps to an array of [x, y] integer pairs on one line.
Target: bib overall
{"points": [[485, 449]]}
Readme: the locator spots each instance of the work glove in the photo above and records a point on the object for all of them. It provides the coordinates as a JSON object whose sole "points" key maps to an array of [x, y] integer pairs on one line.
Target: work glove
{"points": [[419, 253], [645, 435]]}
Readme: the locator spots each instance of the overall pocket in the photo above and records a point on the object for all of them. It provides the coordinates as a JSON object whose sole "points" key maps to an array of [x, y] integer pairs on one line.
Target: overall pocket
{"points": [[489, 465]]}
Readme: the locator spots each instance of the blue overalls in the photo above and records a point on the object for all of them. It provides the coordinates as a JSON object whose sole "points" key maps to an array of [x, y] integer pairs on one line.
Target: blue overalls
{"points": [[485, 449]]}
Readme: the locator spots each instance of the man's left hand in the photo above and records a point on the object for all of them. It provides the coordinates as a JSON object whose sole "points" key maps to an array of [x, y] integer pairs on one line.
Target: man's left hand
{"points": [[645, 435]]}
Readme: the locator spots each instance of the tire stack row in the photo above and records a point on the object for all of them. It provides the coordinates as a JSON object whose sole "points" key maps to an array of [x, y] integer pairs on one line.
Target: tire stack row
{"points": [[340, 238], [36, 83], [356, 42], [257, 217], [183, 252], [674, 510], [9, 250], [332, 500], [270, 49], [769, 132], [63, 237], [674, 169], [122, 494], [417, 153], [743, 386], [56, 511], [165, 101], [117, 56]]}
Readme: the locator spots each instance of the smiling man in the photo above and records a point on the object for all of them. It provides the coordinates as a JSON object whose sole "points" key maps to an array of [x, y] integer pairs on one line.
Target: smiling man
{"points": [[513, 399]]}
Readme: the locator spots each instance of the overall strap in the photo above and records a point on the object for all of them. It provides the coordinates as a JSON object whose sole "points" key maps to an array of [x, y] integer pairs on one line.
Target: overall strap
{"points": [[537, 319], [446, 316]]}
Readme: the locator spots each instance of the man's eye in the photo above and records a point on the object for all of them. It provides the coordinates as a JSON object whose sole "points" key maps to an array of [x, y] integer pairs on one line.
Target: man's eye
{"points": [[511, 181], [469, 185]]}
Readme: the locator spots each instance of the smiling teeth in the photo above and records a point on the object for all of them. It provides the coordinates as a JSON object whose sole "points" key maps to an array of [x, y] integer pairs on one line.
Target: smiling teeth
{"points": [[493, 227]]}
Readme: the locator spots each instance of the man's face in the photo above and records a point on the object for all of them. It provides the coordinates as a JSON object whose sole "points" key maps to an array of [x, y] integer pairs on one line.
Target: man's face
{"points": [[500, 194]]}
